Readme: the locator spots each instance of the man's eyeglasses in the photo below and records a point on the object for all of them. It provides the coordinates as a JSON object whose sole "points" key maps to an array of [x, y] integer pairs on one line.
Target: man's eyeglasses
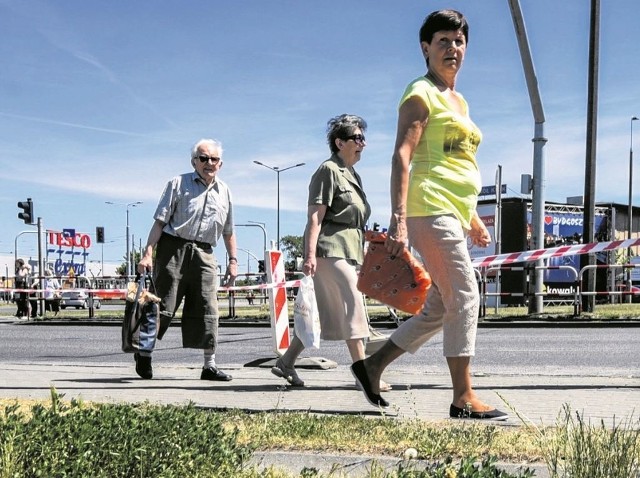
{"points": [[357, 138], [204, 159]]}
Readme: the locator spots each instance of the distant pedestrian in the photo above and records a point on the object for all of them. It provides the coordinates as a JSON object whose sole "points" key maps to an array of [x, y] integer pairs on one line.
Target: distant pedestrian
{"points": [[194, 211], [22, 281], [33, 297], [51, 293]]}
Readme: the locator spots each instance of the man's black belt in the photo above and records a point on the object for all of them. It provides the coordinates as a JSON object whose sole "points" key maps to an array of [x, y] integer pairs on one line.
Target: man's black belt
{"points": [[201, 245]]}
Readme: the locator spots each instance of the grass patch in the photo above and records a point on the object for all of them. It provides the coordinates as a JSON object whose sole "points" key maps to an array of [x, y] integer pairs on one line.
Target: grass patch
{"points": [[601, 312], [579, 448], [391, 437]]}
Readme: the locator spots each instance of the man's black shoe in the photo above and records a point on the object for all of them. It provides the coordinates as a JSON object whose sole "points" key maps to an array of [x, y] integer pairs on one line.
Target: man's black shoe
{"points": [[143, 366], [215, 374]]}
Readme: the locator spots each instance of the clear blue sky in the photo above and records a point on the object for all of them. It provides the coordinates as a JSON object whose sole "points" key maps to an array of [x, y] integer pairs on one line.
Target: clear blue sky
{"points": [[101, 101]]}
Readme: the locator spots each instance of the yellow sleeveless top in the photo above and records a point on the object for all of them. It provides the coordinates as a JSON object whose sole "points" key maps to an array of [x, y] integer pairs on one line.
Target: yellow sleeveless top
{"points": [[444, 177]]}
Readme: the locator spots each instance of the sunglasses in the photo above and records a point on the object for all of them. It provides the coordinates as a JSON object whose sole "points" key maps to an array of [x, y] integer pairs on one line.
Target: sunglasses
{"points": [[357, 138], [204, 159]]}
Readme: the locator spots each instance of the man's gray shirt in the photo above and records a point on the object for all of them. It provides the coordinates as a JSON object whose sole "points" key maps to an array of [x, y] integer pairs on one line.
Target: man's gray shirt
{"points": [[194, 211]]}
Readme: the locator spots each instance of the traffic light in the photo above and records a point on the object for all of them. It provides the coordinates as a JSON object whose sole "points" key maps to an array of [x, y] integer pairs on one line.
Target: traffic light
{"points": [[27, 211], [100, 235], [261, 266]]}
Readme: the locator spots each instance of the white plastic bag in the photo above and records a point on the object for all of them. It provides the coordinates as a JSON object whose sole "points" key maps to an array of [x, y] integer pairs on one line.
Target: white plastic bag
{"points": [[306, 321]]}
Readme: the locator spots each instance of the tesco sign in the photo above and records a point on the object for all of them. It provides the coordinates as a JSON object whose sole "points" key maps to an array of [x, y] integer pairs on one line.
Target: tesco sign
{"points": [[69, 238]]}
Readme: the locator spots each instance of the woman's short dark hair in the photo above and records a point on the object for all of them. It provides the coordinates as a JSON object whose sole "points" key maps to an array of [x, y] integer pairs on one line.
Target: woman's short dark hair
{"points": [[342, 126], [447, 20]]}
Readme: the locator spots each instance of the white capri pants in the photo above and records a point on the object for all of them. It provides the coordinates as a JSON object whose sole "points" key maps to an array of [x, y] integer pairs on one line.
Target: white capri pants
{"points": [[453, 300]]}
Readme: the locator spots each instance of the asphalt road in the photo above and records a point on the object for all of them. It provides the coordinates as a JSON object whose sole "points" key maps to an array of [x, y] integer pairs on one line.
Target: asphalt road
{"points": [[608, 352]]}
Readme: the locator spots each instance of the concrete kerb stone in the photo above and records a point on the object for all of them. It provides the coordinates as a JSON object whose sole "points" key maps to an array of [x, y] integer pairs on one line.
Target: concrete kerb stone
{"points": [[358, 465]]}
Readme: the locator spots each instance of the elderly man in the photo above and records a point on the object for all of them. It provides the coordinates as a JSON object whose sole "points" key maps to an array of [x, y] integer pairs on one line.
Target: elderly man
{"points": [[195, 209]]}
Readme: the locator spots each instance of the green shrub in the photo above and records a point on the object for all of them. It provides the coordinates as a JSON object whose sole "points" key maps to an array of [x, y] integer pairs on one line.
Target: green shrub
{"points": [[117, 441]]}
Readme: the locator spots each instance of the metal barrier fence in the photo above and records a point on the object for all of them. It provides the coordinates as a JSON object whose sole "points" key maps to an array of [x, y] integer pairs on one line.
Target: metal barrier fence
{"points": [[113, 288], [527, 292], [620, 291], [574, 298]]}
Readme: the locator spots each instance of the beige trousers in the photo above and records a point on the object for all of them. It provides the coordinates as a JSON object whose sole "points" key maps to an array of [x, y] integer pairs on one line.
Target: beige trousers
{"points": [[453, 300]]}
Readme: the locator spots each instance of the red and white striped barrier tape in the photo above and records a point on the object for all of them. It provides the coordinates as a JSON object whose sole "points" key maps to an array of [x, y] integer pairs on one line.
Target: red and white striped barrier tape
{"points": [[538, 254], [287, 284], [122, 292], [486, 261]]}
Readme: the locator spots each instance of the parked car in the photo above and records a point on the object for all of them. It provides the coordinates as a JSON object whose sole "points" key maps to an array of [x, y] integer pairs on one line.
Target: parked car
{"points": [[78, 299]]}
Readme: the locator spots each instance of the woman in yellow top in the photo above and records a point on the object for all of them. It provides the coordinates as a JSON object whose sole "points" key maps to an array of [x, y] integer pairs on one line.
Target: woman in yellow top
{"points": [[435, 183]]}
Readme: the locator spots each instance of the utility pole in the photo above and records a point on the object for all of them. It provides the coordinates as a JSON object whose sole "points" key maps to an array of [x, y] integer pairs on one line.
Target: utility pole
{"points": [[588, 233], [539, 141]]}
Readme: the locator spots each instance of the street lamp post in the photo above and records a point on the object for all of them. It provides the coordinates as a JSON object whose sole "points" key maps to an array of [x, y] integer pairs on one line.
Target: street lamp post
{"points": [[278, 171], [249, 254], [630, 212], [261, 225], [128, 205]]}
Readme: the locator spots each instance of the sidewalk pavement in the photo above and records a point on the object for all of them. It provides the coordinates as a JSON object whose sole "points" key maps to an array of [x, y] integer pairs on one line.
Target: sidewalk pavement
{"points": [[415, 395]]}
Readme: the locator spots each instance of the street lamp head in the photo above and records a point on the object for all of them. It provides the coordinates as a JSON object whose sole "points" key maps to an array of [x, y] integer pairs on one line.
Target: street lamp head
{"points": [[634, 118], [123, 204], [272, 168], [278, 170]]}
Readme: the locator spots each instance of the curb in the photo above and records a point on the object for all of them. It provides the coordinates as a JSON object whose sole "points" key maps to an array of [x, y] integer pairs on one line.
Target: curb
{"points": [[357, 465], [389, 324]]}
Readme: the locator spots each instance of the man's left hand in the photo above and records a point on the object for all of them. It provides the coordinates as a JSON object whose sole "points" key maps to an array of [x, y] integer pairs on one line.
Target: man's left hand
{"points": [[231, 274]]}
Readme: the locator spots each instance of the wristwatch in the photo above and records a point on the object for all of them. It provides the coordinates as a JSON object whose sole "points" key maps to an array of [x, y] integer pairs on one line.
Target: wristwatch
{"points": [[235, 259]]}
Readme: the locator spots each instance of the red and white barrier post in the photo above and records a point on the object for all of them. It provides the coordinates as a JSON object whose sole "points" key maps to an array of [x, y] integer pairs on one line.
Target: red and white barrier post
{"points": [[274, 265]]}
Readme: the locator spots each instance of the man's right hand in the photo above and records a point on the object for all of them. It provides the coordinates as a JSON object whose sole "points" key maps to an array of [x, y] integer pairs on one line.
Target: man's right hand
{"points": [[145, 264]]}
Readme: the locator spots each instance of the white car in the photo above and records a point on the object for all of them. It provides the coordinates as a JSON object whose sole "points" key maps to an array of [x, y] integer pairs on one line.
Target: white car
{"points": [[78, 299]]}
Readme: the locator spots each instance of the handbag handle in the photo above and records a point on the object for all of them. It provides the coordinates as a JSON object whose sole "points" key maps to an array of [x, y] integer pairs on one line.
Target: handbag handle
{"points": [[141, 281]]}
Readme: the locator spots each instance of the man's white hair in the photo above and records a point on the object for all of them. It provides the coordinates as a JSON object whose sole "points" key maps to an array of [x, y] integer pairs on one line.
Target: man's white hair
{"points": [[211, 142]]}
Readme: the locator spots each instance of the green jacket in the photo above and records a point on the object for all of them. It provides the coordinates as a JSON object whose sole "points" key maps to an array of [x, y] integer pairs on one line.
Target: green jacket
{"points": [[342, 230]]}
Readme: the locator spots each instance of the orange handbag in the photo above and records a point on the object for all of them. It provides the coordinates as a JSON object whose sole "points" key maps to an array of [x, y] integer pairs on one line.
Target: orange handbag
{"points": [[397, 281]]}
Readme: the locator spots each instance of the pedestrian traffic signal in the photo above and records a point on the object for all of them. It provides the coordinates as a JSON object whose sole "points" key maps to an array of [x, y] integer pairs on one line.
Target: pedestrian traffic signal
{"points": [[261, 266], [27, 211], [100, 235]]}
